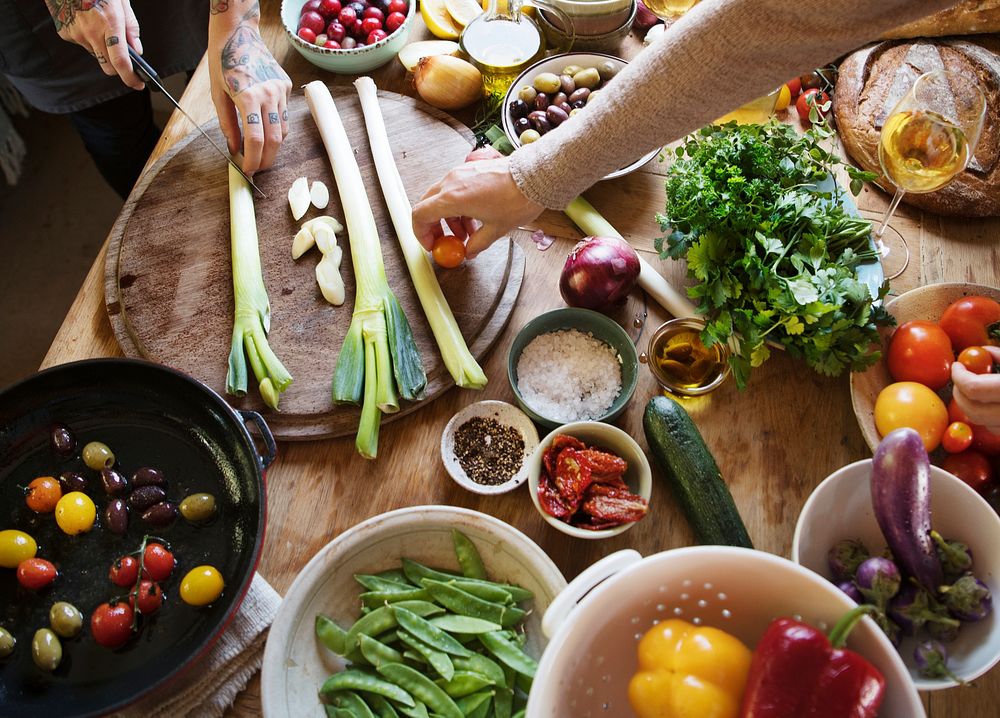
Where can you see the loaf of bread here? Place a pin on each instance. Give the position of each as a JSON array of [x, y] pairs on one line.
[[971, 17], [873, 79]]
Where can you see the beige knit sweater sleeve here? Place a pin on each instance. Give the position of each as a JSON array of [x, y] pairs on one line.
[[719, 56]]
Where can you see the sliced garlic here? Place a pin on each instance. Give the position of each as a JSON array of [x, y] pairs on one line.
[[326, 239], [319, 195], [298, 197], [303, 242], [331, 284], [328, 221]]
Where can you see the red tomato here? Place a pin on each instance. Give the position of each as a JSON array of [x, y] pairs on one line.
[[972, 321], [920, 351], [157, 562], [449, 251], [111, 624], [907, 403], [124, 571], [794, 86], [150, 597], [43, 494], [977, 360], [36, 573], [957, 437], [809, 98], [985, 440], [971, 467], [955, 412]]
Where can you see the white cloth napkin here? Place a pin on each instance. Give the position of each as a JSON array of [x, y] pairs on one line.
[[208, 689]]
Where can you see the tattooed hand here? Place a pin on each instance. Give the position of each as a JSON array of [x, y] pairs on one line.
[[102, 28], [248, 85]]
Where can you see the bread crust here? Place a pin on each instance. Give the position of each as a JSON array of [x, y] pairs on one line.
[[967, 18]]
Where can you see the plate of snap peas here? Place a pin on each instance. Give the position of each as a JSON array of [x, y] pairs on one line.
[[423, 611]]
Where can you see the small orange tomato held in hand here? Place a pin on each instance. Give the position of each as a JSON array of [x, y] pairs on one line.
[[977, 360], [449, 251]]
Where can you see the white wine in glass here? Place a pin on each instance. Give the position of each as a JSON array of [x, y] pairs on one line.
[[927, 139], [669, 9]]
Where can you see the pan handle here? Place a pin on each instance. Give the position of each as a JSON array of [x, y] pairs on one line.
[[257, 420]]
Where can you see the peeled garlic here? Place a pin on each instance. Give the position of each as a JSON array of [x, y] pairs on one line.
[[655, 33], [298, 197], [447, 82], [331, 284], [319, 195], [328, 221], [303, 242]]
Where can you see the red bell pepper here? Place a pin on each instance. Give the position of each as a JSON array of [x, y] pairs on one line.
[[797, 672]]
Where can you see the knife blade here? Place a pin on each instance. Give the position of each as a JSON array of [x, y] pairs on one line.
[[147, 73]]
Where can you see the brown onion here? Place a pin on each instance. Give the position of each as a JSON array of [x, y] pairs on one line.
[[599, 273], [447, 82]]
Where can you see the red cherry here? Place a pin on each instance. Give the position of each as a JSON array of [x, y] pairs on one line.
[[358, 29], [370, 25], [310, 6], [373, 12], [347, 17], [314, 21], [394, 21], [307, 34], [376, 35], [332, 45], [335, 32], [329, 8], [399, 6]]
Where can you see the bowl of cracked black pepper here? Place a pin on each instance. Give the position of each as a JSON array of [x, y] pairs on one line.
[[485, 447]]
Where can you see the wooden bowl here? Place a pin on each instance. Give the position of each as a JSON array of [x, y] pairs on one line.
[[926, 303]]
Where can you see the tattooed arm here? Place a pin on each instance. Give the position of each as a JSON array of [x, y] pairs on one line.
[[101, 27], [249, 88]]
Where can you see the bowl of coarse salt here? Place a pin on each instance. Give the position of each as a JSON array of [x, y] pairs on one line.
[[572, 365]]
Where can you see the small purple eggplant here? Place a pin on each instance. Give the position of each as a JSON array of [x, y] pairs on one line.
[[845, 556], [852, 591], [878, 579], [944, 632], [956, 557], [968, 599], [889, 628], [901, 498], [913, 608], [931, 658]]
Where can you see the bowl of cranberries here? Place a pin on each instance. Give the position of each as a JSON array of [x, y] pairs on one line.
[[348, 37]]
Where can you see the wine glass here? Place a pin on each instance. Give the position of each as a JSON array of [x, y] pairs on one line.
[[928, 138], [669, 9]]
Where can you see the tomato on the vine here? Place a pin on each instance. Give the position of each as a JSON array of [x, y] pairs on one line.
[[907, 403], [957, 437], [124, 571], [971, 467], [972, 321], [157, 562], [448, 251], [111, 624], [43, 494], [36, 573], [148, 598], [807, 100], [920, 351], [977, 360]]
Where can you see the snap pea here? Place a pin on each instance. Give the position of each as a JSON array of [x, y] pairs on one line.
[[383, 585], [417, 711], [464, 683], [354, 704], [380, 598], [377, 652], [415, 657], [337, 712], [467, 704], [429, 634], [485, 591], [380, 706], [519, 714], [524, 682], [352, 680], [422, 688], [421, 608], [503, 703], [415, 572], [383, 619], [393, 574], [509, 654], [486, 667], [438, 660], [331, 635], [468, 556], [481, 711], [464, 603], [454, 623]]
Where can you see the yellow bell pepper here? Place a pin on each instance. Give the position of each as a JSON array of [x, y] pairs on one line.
[[688, 671]]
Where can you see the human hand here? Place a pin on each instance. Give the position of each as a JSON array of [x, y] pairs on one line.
[[479, 200], [978, 395], [248, 85], [102, 28]]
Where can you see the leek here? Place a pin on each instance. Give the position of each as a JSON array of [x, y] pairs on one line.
[[379, 343], [464, 368], [252, 319]]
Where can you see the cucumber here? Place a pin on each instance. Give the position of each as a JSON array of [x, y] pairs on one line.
[[693, 475]]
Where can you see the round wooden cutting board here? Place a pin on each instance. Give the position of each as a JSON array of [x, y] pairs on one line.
[[168, 277]]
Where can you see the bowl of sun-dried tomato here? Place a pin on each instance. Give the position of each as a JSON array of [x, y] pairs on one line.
[[590, 480]]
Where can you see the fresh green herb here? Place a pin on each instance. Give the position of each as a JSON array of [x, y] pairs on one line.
[[756, 213]]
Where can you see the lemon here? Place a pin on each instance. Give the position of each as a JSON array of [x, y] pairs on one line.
[[463, 11], [438, 21]]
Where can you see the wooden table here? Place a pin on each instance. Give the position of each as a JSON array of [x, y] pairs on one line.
[[773, 442]]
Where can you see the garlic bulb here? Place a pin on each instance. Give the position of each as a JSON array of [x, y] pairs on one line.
[[447, 82]]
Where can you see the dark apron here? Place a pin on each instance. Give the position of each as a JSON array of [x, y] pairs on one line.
[[59, 76]]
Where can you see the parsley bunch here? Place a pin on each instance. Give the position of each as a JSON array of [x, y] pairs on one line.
[[755, 211]]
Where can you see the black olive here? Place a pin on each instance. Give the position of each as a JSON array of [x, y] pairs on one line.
[[148, 476], [114, 483], [72, 481], [160, 514], [518, 109], [145, 496], [116, 516], [62, 439]]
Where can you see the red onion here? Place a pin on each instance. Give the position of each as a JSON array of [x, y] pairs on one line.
[[644, 18], [599, 273]]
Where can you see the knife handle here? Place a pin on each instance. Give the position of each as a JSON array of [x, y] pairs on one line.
[[143, 69]]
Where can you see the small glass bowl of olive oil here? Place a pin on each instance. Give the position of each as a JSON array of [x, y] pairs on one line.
[[681, 363]]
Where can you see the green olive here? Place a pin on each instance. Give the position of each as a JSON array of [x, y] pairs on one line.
[[7, 642], [198, 507], [589, 78], [46, 651], [529, 136], [98, 456], [574, 112], [527, 94], [571, 70], [607, 70], [547, 82], [592, 95], [65, 619]]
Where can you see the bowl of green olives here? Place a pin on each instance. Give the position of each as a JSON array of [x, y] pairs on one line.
[[551, 92]]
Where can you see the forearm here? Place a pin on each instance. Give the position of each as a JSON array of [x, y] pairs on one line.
[[721, 55]]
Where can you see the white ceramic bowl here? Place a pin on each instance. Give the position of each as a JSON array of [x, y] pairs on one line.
[[504, 413], [841, 507], [295, 664], [345, 62], [594, 631], [603, 436], [555, 64]]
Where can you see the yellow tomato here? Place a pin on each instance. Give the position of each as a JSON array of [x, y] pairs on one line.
[[907, 403], [784, 99], [75, 513], [16, 546], [201, 586]]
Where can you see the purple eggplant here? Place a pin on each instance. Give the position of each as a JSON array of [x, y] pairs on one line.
[[901, 498], [913, 608], [956, 557], [943, 631], [968, 599], [844, 558], [931, 658], [851, 590], [878, 579]]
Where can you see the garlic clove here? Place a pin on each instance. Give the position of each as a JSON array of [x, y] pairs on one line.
[[298, 197], [303, 242], [319, 195], [328, 221]]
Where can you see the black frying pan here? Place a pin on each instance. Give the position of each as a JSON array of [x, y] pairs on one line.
[[150, 416]]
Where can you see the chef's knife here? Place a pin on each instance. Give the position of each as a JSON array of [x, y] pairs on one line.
[[148, 74]]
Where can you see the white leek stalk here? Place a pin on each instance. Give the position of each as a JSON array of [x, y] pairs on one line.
[[464, 368], [252, 318], [379, 343]]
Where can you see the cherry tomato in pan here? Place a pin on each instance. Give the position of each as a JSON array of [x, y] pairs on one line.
[[971, 467], [449, 251], [111, 624], [157, 562], [15, 547], [957, 437], [36, 573], [147, 599], [124, 571], [920, 351], [75, 513], [972, 321], [975, 359], [201, 586], [43, 494], [807, 100]]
